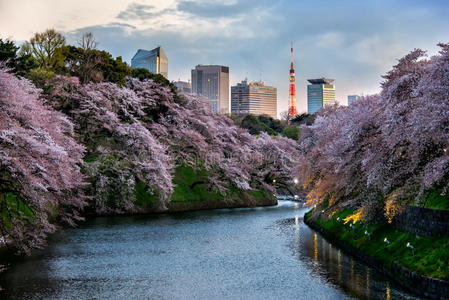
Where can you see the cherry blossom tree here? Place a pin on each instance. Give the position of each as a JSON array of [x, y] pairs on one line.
[[40, 179], [142, 131], [386, 150], [120, 150]]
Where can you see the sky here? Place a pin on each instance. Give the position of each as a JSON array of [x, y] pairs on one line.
[[353, 42]]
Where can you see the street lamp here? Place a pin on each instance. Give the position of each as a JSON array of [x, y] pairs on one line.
[[368, 234], [411, 247], [296, 180]]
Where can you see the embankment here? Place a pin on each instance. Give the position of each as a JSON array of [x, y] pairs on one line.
[[411, 280]]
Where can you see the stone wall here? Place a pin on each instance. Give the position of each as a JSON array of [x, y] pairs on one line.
[[424, 286], [413, 282], [423, 221]]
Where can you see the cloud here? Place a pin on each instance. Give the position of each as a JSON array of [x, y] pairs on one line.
[[330, 40], [354, 42], [137, 11], [215, 9]]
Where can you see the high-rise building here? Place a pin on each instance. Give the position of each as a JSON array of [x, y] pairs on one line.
[[212, 82], [154, 61], [183, 86], [352, 98], [320, 93], [254, 98]]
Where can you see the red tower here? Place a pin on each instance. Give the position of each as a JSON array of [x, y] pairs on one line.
[[292, 98]]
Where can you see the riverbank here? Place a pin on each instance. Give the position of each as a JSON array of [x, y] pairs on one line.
[[192, 192], [418, 264]]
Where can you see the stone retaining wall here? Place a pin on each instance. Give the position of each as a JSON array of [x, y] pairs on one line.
[[413, 282], [423, 221], [424, 286]]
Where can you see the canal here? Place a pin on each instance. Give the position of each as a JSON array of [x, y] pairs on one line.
[[250, 253]]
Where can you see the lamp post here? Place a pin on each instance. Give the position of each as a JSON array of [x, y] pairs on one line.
[[411, 247], [368, 234]]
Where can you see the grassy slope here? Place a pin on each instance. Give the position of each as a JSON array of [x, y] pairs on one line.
[[190, 187], [17, 209], [430, 256], [435, 200]]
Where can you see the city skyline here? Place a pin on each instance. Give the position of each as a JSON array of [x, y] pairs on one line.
[[359, 41]]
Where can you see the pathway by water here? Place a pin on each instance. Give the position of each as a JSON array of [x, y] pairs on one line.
[[253, 253]]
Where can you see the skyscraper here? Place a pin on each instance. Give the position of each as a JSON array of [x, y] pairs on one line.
[[320, 93], [352, 98], [254, 98], [154, 61], [212, 82]]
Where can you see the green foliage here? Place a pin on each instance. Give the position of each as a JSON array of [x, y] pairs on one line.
[[254, 126], [434, 199], [24, 64], [276, 125], [114, 70], [430, 256], [237, 119], [40, 77], [72, 60], [258, 124], [8, 52], [144, 197], [43, 47], [304, 118], [12, 208], [21, 63], [191, 185], [293, 132]]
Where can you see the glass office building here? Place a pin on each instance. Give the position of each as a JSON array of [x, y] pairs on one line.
[[320, 93], [352, 98], [254, 98], [212, 82], [154, 61]]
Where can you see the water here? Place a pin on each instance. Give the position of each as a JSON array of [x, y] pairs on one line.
[[254, 253]]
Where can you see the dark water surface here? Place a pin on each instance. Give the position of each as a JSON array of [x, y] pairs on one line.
[[253, 253]]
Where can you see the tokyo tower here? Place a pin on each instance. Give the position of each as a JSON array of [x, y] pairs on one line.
[[292, 98]]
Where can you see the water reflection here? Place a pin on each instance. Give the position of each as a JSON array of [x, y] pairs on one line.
[[388, 291], [221, 254], [346, 273]]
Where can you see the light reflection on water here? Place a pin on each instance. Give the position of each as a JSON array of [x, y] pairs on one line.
[[255, 253], [346, 273]]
